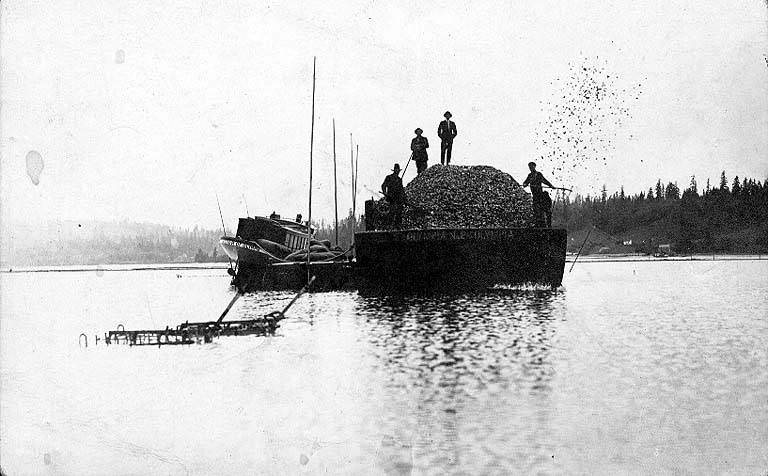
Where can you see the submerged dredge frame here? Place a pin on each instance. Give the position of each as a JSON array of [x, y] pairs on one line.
[[199, 332], [191, 332]]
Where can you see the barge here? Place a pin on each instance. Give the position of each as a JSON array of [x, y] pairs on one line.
[[406, 261], [461, 259]]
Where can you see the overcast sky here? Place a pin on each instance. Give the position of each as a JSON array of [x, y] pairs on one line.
[[146, 110]]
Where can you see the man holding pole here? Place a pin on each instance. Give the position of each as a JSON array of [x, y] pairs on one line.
[[419, 146], [393, 191], [446, 131], [542, 204]]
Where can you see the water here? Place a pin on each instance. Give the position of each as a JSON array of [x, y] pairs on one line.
[[633, 368]]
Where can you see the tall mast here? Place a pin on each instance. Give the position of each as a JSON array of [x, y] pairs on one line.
[[357, 156], [311, 148], [352, 169], [335, 193]]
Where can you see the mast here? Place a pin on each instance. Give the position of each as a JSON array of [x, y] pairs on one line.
[[352, 169], [335, 193], [311, 148], [357, 156]]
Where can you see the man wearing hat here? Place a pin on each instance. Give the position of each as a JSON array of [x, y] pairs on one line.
[[542, 203], [393, 191], [419, 146], [446, 131]]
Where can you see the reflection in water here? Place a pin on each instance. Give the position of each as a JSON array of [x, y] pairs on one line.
[[439, 357], [461, 345]]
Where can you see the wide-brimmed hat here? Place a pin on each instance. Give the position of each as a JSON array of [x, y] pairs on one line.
[[447, 114], [396, 168], [418, 130]]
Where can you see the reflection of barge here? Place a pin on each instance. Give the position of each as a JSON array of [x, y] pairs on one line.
[[399, 261]]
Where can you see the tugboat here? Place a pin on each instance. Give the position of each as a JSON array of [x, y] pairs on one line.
[[260, 241], [271, 254]]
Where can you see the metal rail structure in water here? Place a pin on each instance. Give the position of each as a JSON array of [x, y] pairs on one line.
[[197, 332]]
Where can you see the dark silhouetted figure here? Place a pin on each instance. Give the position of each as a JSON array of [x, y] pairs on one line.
[[446, 131], [419, 146], [542, 204], [393, 191]]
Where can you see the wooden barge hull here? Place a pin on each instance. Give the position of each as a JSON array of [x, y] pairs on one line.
[[418, 261], [458, 259]]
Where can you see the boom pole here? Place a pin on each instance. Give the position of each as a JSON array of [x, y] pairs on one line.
[[224, 230], [581, 248], [311, 148], [352, 170], [335, 189]]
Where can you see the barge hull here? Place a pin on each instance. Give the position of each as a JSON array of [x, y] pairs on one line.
[[458, 259]]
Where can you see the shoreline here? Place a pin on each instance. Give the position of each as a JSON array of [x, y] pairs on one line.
[[75, 268], [622, 258]]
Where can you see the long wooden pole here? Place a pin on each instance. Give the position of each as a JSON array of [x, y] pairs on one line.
[[581, 248], [229, 306], [352, 170], [357, 156], [311, 149], [223, 229], [335, 187]]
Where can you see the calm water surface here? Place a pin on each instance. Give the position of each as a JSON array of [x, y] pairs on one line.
[[632, 368]]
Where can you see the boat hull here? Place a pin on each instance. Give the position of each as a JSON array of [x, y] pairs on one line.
[[245, 253], [292, 276]]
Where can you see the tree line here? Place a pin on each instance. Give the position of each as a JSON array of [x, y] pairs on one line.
[[145, 244], [348, 226], [729, 218]]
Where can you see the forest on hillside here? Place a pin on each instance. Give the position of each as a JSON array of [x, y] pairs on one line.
[[729, 218], [111, 243]]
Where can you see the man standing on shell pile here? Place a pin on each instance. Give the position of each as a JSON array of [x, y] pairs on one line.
[[446, 131], [393, 191], [542, 204], [419, 146]]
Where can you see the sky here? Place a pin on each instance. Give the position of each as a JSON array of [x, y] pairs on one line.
[[147, 111]]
